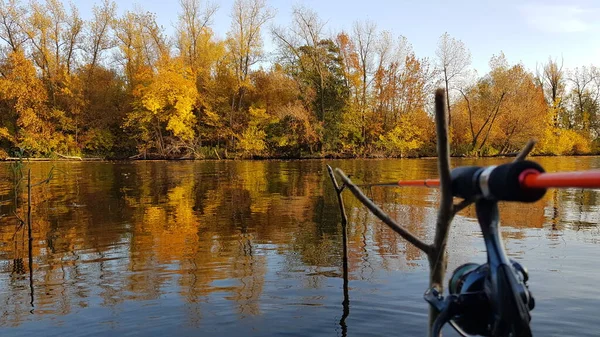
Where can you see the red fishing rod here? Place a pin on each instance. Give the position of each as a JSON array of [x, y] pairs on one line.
[[582, 179], [524, 177], [534, 179]]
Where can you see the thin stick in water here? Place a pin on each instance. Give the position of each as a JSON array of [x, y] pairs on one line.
[[346, 301], [30, 236]]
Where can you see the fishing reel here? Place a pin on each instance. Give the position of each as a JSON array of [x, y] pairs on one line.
[[468, 308], [470, 278], [491, 299]]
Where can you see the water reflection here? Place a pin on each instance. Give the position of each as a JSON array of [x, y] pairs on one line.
[[228, 246]]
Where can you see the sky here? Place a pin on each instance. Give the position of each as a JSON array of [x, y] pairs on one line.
[[527, 31]]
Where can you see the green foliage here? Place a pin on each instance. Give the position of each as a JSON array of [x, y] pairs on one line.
[[351, 136], [98, 141]]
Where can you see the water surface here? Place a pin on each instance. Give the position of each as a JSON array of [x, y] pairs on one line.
[[254, 248]]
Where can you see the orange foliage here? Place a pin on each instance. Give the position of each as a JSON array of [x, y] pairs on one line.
[[117, 84]]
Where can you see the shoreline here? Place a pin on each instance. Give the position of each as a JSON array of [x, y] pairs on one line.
[[117, 159]]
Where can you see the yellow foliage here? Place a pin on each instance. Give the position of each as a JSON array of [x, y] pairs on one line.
[[563, 142], [409, 135], [171, 97], [330, 96], [4, 134], [258, 116], [350, 130], [252, 141], [399, 141], [168, 102], [26, 96]]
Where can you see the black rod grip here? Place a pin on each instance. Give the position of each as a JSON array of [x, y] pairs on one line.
[[504, 183], [465, 181]]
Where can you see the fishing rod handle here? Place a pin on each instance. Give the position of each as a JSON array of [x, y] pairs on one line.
[[499, 183]]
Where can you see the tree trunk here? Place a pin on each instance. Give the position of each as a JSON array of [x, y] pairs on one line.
[[448, 100]]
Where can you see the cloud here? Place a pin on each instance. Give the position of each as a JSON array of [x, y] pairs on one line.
[[558, 18]]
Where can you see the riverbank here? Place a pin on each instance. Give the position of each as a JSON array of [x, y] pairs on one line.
[[259, 158]]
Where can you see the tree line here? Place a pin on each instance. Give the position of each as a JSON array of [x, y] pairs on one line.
[[117, 85]]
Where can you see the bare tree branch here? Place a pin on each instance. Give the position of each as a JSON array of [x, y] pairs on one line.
[[438, 260], [445, 210], [462, 205], [453, 58], [436, 253], [403, 232], [525, 151]]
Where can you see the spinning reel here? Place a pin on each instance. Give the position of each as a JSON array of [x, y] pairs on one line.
[[491, 299]]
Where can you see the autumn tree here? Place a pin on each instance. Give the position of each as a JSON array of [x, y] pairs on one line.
[[353, 127], [501, 111], [212, 71], [315, 62], [392, 57], [245, 41], [100, 88], [365, 38], [291, 129], [331, 96], [585, 91], [98, 38], [524, 112], [53, 39], [193, 30], [54, 34], [307, 31], [552, 78], [11, 24], [401, 86], [163, 117], [27, 122], [196, 43], [141, 44], [406, 89], [453, 59], [116, 84]]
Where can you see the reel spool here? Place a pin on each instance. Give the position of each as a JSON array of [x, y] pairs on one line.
[[469, 280]]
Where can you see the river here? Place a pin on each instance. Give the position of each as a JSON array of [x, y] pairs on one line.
[[254, 248]]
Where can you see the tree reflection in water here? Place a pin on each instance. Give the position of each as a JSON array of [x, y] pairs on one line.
[[237, 241]]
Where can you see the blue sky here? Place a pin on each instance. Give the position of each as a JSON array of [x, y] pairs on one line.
[[527, 31]]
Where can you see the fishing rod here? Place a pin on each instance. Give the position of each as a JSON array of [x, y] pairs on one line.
[[533, 179], [493, 299]]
